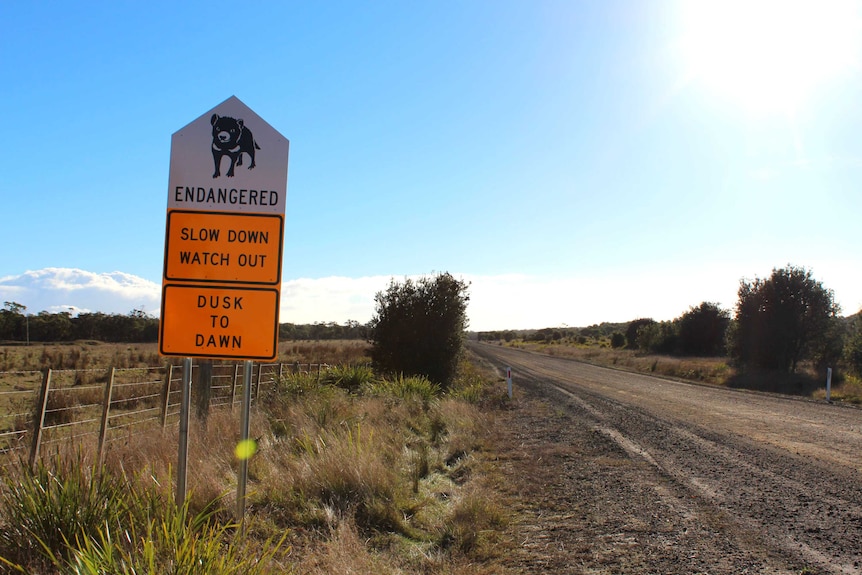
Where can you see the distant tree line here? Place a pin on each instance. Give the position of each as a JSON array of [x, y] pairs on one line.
[[323, 331], [553, 334], [16, 325], [135, 327], [777, 323]]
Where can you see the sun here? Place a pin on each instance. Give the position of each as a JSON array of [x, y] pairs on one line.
[[769, 55]]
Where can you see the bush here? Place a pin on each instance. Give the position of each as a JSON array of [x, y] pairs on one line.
[[618, 340], [418, 328]]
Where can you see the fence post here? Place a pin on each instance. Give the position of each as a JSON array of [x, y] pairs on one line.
[[106, 408], [166, 394], [39, 419], [259, 377], [233, 385]]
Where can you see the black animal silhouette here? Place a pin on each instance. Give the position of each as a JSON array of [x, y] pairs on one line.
[[231, 138]]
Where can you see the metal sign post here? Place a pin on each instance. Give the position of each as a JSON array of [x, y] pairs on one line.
[[243, 438], [183, 456]]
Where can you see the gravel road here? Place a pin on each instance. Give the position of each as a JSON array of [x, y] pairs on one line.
[[615, 472]]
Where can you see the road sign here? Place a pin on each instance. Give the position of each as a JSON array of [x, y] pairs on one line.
[[225, 322], [223, 247], [224, 234]]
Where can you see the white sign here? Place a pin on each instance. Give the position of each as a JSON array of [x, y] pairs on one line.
[[228, 160]]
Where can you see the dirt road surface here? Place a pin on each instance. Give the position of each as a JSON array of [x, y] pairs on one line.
[[614, 472]]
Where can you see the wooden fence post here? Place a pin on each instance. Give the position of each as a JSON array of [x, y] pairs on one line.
[[259, 377], [106, 408], [166, 394], [39, 418], [203, 390], [233, 385]]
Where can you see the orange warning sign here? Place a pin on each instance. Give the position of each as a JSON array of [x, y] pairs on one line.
[[219, 322], [223, 247]]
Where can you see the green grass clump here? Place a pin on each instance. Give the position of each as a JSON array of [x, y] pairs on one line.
[[415, 387], [68, 517], [49, 505], [349, 377], [177, 543]]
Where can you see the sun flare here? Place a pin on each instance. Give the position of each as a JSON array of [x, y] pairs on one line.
[[769, 55]]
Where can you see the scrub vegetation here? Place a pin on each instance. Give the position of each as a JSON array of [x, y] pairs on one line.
[[353, 473]]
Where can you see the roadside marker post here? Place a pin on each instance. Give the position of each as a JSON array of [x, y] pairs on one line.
[[829, 385], [509, 381], [221, 282]]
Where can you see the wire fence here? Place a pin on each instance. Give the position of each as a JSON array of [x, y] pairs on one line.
[[39, 409]]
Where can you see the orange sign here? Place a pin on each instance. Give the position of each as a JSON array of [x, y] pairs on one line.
[[223, 247], [219, 322]]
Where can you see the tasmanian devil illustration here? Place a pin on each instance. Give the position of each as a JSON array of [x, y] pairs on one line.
[[231, 138]]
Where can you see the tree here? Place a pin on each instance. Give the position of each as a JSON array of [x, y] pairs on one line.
[[659, 337], [418, 327], [702, 330], [632, 331], [780, 320], [853, 348]]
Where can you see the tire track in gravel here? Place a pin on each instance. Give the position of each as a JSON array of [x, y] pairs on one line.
[[766, 500]]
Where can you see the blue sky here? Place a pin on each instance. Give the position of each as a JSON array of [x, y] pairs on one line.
[[576, 161]]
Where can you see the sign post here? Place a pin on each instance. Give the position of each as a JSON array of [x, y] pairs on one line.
[[509, 381], [221, 285]]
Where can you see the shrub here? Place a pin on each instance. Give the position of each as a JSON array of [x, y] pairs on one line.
[[418, 327]]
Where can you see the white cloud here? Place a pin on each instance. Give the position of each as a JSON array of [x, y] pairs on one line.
[[67, 289]]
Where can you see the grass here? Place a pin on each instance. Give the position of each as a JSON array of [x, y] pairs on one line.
[[352, 474]]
